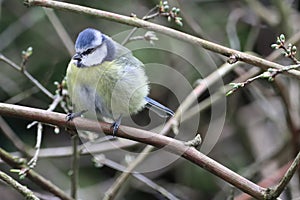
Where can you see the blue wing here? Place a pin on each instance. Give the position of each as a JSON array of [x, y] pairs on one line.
[[160, 109]]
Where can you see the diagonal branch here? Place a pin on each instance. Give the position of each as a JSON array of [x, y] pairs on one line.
[[27, 193], [134, 21], [33, 176], [27, 74], [169, 144]]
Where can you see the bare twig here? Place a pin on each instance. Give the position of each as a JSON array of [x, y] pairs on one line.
[[27, 75], [277, 190], [31, 164], [104, 161], [115, 187], [27, 193], [22, 95], [74, 166], [159, 141], [266, 14], [204, 84], [61, 31], [134, 21], [22, 24], [13, 137]]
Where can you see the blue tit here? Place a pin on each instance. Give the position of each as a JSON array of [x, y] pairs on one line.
[[106, 80]]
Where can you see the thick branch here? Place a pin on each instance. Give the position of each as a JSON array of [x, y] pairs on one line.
[[147, 137], [134, 21]]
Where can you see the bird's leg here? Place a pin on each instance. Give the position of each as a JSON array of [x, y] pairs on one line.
[[71, 116], [116, 125]]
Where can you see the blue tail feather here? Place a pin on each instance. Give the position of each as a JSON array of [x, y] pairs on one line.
[[158, 108]]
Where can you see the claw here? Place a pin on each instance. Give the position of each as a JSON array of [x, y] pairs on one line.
[[115, 126], [71, 116]]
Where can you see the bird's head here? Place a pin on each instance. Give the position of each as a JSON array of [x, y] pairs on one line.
[[92, 48]]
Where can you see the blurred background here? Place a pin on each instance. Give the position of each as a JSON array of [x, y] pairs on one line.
[[256, 128]]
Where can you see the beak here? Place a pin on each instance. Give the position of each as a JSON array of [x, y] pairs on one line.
[[77, 56]]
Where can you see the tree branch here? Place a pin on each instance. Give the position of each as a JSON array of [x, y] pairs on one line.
[[169, 144], [134, 21], [277, 190]]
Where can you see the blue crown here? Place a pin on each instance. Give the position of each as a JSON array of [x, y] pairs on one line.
[[85, 38]]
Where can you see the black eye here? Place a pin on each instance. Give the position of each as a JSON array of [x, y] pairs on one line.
[[88, 51]]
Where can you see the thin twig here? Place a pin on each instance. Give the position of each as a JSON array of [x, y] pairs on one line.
[[116, 186], [22, 95], [266, 14], [27, 193], [114, 165], [74, 166], [13, 137], [19, 26], [169, 144], [60, 30], [27, 75], [270, 74], [146, 17], [202, 87], [134, 21], [39, 135]]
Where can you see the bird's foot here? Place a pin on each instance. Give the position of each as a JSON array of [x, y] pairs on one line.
[[71, 116], [115, 126]]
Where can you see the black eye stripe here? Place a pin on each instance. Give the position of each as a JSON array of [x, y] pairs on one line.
[[88, 51]]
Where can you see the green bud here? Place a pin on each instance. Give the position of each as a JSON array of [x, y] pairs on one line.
[[177, 11], [178, 21], [274, 46], [229, 92], [27, 52], [174, 9], [282, 37], [294, 49], [266, 74], [169, 18], [278, 42], [56, 130], [29, 49], [165, 3], [166, 8]]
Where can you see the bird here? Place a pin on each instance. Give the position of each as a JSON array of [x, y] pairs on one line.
[[105, 80]]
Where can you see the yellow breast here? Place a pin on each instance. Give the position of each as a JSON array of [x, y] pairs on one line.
[[109, 88]]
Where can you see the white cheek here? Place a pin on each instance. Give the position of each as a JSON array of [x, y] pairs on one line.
[[96, 57]]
